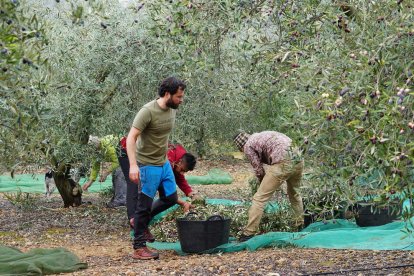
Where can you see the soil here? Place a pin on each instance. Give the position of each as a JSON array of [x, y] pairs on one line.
[[100, 237]]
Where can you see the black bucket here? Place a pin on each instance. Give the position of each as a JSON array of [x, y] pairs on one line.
[[200, 235], [368, 215]]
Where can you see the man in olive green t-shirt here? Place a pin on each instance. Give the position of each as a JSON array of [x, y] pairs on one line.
[[147, 145]]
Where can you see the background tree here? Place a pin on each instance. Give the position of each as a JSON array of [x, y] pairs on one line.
[[324, 72]]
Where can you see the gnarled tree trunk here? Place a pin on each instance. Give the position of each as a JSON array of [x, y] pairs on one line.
[[70, 191]]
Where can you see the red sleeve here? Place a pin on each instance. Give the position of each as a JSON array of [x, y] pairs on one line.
[[182, 183]]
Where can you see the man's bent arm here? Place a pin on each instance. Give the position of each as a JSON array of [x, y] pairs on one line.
[[131, 151]]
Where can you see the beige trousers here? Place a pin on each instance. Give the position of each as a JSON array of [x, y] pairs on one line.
[[275, 176]]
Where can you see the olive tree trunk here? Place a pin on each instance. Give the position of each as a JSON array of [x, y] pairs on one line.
[[69, 190]]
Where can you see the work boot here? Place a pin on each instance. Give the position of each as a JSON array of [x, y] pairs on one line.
[[148, 236], [143, 253], [244, 237]]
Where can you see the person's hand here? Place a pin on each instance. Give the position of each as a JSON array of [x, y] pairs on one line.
[[134, 174], [86, 185], [187, 206]]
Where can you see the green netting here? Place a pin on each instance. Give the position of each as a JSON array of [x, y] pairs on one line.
[[34, 183], [38, 261], [222, 201], [271, 207], [373, 178], [214, 176], [29, 183], [334, 234]]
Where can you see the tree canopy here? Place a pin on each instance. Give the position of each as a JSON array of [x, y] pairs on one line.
[[336, 76]]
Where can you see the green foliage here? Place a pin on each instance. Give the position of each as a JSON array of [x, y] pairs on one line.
[[281, 220], [22, 200], [21, 41], [254, 184], [107, 193], [360, 115], [325, 204], [335, 76]]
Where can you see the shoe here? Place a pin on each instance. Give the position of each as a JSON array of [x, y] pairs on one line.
[[148, 236], [114, 205], [143, 253], [244, 237]]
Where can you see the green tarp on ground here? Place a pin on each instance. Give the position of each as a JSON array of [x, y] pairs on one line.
[[29, 183], [38, 261], [334, 234], [214, 176], [35, 183]]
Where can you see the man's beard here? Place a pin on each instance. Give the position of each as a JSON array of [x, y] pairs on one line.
[[171, 104]]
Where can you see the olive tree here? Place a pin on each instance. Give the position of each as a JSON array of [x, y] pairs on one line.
[[347, 67]]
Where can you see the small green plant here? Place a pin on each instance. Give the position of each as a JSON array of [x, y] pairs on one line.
[[106, 193], [22, 200], [254, 185], [281, 221]]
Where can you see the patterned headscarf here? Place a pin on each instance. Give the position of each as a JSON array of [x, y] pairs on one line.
[[241, 139]]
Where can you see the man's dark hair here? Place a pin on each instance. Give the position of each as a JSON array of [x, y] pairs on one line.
[[189, 160], [171, 85]]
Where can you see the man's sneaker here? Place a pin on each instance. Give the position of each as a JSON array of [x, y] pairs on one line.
[[143, 253], [148, 236], [244, 237]]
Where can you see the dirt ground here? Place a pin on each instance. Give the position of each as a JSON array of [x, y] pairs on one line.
[[100, 237]]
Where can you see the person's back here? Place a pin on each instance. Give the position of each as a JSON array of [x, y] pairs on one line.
[[107, 151], [274, 149], [266, 147], [181, 161]]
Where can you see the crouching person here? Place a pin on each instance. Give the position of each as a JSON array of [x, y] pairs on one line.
[[105, 146], [274, 149]]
